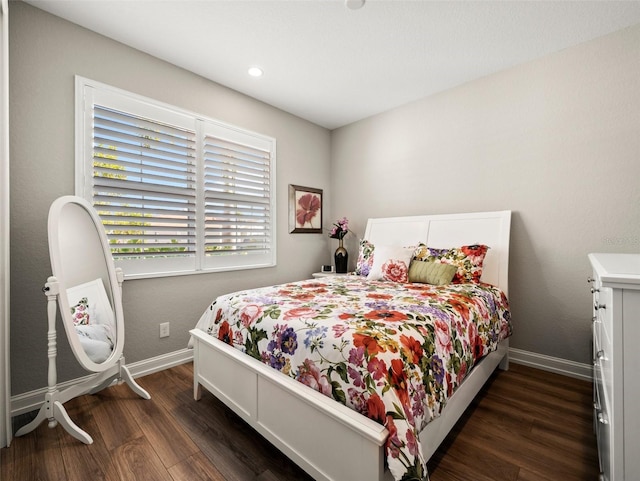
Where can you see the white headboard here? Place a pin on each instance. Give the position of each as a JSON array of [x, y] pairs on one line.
[[452, 230]]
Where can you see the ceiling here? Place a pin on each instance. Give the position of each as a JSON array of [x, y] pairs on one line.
[[333, 65]]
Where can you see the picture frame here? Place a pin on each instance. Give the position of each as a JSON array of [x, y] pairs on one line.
[[305, 210]]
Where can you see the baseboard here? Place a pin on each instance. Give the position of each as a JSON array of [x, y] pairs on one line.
[[32, 400], [160, 363], [551, 364]]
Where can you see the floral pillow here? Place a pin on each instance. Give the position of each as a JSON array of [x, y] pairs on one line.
[[391, 263], [365, 258], [468, 260], [80, 312]]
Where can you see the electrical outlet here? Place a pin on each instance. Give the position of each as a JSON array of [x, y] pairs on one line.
[[164, 329]]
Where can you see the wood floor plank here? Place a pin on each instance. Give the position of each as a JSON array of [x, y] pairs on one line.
[[250, 448], [85, 461], [195, 468], [514, 432], [35, 457], [80, 460], [137, 461], [164, 433], [117, 425], [525, 425], [462, 460], [569, 442], [213, 443], [167, 387]]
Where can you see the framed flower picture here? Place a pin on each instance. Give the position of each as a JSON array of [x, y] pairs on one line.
[[305, 210]]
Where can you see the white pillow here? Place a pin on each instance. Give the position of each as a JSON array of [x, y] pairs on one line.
[[99, 307], [391, 263]]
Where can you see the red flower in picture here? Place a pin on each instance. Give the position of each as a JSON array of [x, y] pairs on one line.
[[308, 207]]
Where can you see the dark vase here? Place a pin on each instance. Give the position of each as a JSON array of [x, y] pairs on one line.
[[341, 257]]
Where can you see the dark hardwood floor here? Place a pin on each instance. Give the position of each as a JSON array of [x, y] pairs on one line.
[[525, 425]]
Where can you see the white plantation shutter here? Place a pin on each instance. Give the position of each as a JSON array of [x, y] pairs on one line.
[[176, 193], [237, 198], [144, 185]]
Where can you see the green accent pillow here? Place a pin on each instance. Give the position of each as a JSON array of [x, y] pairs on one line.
[[428, 272]]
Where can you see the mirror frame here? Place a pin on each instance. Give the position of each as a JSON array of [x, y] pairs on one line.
[[114, 290]]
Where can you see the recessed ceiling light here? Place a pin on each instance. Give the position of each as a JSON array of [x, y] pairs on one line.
[[255, 71], [354, 4]]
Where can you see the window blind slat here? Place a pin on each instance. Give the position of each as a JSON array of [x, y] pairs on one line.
[[148, 239], [132, 140], [130, 204], [133, 121], [248, 222], [139, 150], [148, 223], [235, 198], [139, 189], [237, 193], [213, 175], [232, 249], [214, 142], [148, 176], [130, 212], [112, 155], [237, 182], [240, 162]]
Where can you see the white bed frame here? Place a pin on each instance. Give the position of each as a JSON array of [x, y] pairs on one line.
[[325, 438]]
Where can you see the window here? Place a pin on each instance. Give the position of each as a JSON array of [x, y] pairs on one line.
[[177, 193]]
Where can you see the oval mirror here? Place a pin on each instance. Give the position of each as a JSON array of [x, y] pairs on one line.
[[90, 295]]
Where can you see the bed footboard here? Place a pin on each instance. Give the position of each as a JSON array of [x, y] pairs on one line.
[[326, 439]]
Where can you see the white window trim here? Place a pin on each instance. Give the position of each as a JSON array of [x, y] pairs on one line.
[[171, 267]]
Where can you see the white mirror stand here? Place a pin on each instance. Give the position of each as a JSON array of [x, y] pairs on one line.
[[53, 408], [80, 252]]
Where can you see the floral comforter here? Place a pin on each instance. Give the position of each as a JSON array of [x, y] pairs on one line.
[[393, 352]]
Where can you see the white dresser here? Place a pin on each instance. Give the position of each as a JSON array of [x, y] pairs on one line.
[[616, 361]]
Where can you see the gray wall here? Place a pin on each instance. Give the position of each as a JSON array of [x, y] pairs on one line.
[[555, 140], [45, 54]]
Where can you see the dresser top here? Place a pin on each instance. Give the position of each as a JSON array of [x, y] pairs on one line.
[[617, 268]]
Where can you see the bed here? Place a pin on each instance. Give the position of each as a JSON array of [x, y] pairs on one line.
[[300, 404]]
